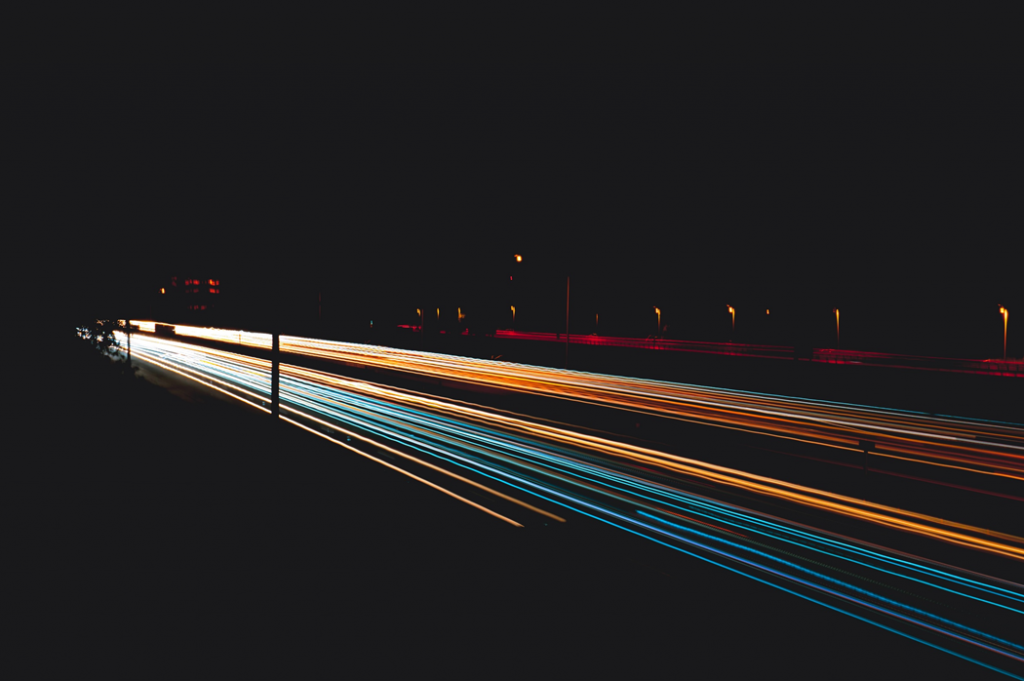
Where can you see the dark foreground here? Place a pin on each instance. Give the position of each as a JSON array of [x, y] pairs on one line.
[[166, 532]]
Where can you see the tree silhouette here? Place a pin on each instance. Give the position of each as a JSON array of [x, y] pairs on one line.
[[100, 335]]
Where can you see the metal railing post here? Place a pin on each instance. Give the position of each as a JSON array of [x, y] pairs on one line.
[[275, 376]]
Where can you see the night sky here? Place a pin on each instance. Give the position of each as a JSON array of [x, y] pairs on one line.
[[893, 191], [753, 166]]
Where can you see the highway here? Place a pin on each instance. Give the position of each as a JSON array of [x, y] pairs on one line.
[[987, 457], [932, 578]]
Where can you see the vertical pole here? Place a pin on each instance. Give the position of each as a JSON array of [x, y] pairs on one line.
[[567, 321], [1006, 316], [128, 333], [275, 376]]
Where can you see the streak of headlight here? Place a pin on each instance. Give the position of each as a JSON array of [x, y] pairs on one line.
[[718, 407], [848, 545], [427, 464], [402, 471], [247, 338], [216, 380], [209, 385], [844, 584], [762, 484], [605, 513]]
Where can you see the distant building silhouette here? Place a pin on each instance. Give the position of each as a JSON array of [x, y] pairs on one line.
[[190, 296]]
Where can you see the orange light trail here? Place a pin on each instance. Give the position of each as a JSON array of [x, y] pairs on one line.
[[652, 493], [982, 448]]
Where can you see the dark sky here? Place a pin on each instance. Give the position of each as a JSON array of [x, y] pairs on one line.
[[850, 184]]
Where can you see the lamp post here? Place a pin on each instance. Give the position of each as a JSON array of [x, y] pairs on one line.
[[657, 311], [732, 311], [836, 310], [566, 321], [1006, 315], [518, 258]]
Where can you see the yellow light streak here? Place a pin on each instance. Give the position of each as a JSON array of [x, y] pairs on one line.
[[403, 472]]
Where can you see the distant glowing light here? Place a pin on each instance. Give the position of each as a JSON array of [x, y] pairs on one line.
[[162, 290], [519, 258]]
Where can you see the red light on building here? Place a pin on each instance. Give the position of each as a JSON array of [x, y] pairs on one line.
[[199, 293]]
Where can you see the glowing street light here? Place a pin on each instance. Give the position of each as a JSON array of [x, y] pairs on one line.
[[732, 311], [836, 310], [657, 310], [518, 258], [1006, 315]]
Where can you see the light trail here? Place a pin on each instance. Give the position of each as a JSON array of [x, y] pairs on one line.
[[987, 447], [773, 531], [982, 448]]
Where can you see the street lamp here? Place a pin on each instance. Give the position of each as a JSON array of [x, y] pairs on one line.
[[1006, 315], [567, 321], [518, 259], [836, 310], [657, 310], [732, 311]]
